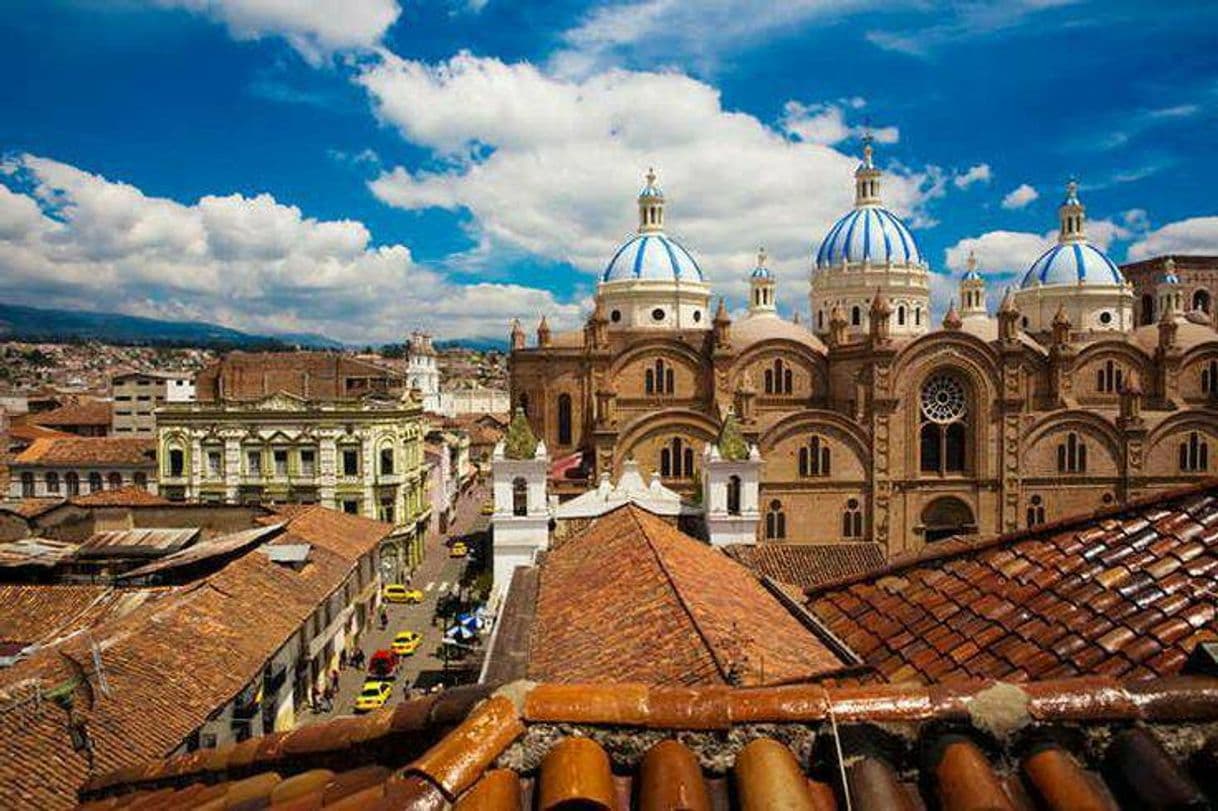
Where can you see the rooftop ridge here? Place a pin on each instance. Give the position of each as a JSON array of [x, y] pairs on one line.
[[960, 547]]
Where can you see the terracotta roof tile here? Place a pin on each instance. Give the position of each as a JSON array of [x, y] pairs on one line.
[[1071, 598], [808, 564], [682, 612], [88, 451], [130, 496], [83, 412], [612, 746]]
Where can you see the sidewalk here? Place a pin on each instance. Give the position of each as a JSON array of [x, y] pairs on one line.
[[436, 575]]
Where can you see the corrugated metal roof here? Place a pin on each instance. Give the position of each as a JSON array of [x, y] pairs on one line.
[[35, 552], [120, 541], [222, 545], [288, 552]]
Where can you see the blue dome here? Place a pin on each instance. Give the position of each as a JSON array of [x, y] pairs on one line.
[[760, 272], [869, 233], [652, 256], [1073, 263], [971, 276]]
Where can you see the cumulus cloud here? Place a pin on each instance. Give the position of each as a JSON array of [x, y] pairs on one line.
[[975, 174], [1020, 196], [315, 28], [71, 238], [552, 165], [826, 124], [1194, 235]]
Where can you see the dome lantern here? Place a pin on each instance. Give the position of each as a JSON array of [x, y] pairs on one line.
[[1072, 216], [651, 206], [761, 287]]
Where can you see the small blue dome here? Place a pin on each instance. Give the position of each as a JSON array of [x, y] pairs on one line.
[[869, 233], [1073, 263], [971, 276], [652, 256], [761, 272]]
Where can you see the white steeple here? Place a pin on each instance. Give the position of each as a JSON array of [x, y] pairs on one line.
[[866, 178], [651, 206], [761, 287], [972, 290], [1072, 215]]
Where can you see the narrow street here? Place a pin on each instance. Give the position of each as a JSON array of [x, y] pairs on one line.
[[438, 575]]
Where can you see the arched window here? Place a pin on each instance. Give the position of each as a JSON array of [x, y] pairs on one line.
[[114, 481], [1108, 378], [733, 495], [814, 458], [852, 520], [1201, 301], [769, 381], [177, 462], [1194, 454], [943, 433], [52, 482], [386, 461], [677, 459], [856, 316], [27, 485], [520, 496], [72, 484], [649, 381], [140, 480], [1072, 455], [917, 316], [1148, 309], [95, 482], [1036, 511], [564, 419], [901, 315], [820, 319], [775, 522], [1209, 378]]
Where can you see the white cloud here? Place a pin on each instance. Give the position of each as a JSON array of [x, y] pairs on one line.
[[976, 174], [826, 124], [1020, 196], [551, 166], [315, 28], [1194, 235], [962, 21], [74, 239], [699, 32]]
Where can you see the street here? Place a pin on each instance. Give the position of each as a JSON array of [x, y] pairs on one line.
[[438, 575]]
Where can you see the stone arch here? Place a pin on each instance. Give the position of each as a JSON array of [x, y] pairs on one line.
[[946, 516], [1197, 379], [804, 357], [1041, 439], [641, 439], [1093, 359], [1163, 443], [686, 367], [844, 434]]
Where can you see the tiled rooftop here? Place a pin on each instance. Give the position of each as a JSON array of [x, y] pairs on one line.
[[169, 664], [1065, 745], [130, 496], [82, 412], [84, 451], [808, 564], [631, 599], [1127, 594]]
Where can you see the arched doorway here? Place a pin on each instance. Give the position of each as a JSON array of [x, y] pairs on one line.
[[945, 517]]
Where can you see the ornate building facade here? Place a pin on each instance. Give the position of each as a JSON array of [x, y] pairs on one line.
[[870, 424], [302, 427]]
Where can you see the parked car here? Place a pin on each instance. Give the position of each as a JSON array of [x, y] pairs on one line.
[[458, 550], [406, 643], [373, 696], [383, 665], [397, 593]]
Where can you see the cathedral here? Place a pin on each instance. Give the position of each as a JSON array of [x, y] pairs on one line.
[[871, 422]]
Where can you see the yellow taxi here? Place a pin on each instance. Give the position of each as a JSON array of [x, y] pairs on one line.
[[373, 696], [488, 508], [406, 643], [458, 550], [397, 593]]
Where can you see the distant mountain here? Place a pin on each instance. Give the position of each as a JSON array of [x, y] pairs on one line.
[[476, 344], [38, 324]]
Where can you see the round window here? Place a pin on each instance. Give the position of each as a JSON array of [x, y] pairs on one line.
[[657, 314], [943, 399], [1105, 317], [615, 316], [697, 316], [853, 504]]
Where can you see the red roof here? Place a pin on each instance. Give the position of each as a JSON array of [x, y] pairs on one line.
[[1127, 594], [130, 496], [82, 412], [88, 451], [631, 599], [808, 564]]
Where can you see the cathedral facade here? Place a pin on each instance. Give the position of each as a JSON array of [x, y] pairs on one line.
[[873, 423]]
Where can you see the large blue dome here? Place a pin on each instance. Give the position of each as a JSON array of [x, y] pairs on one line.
[[652, 256], [1073, 263], [869, 233]]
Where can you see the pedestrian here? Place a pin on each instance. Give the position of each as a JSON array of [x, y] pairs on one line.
[[315, 698], [342, 659], [384, 619], [334, 682]]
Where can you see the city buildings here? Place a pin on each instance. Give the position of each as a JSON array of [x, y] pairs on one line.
[[871, 423], [307, 428], [137, 395], [68, 466], [462, 394]]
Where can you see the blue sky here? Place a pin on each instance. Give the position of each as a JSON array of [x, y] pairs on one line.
[[364, 167]]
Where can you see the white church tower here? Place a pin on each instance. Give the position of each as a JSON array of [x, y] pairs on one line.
[[731, 479], [520, 525], [422, 371]]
